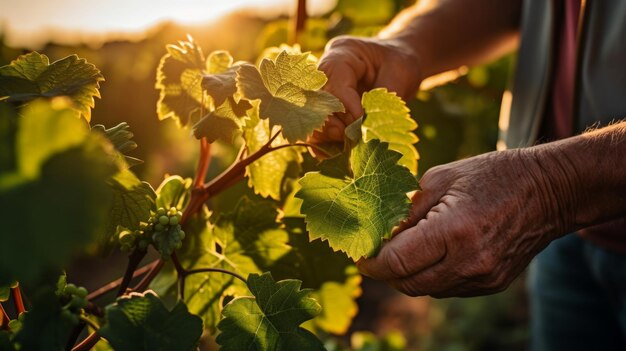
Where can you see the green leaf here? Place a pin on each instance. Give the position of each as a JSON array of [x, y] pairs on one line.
[[367, 12], [388, 120], [355, 210], [224, 122], [174, 191], [141, 322], [60, 204], [267, 175], [179, 81], [132, 202], [271, 319], [43, 326], [332, 275], [121, 138], [32, 76], [219, 81], [288, 88]]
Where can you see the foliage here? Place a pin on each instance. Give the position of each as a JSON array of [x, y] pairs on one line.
[[79, 178]]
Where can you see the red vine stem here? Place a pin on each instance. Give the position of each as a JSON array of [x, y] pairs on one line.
[[16, 293], [4, 318], [133, 261], [88, 342], [203, 163], [154, 270], [116, 283]]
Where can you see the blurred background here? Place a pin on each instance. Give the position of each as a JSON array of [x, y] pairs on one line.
[[126, 38]]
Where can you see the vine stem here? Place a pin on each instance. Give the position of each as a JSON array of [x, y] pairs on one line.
[[133, 261], [89, 342], [4, 318], [217, 270], [16, 293], [203, 162], [116, 283]]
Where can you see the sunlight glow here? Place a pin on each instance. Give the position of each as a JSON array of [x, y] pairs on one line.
[[26, 18]]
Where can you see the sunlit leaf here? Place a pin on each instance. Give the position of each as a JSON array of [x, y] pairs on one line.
[[288, 88], [387, 119], [270, 320], [179, 81], [224, 122], [121, 138], [174, 191], [141, 322], [356, 209], [268, 174], [32, 76]]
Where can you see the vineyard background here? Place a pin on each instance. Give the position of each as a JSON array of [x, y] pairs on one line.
[[456, 120]]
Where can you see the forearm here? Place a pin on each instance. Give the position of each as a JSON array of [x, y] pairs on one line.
[[450, 33], [583, 179]]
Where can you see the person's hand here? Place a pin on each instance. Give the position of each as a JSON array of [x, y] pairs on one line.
[[475, 226], [355, 65]]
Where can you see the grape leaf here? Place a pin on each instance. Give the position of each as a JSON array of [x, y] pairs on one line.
[[64, 183], [271, 319], [388, 120], [121, 138], [332, 275], [132, 202], [219, 80], [288, 88], [141, 322], [174, 191], [32, 76], [268, 174], [356, 209], [179, 81], [224, 122]]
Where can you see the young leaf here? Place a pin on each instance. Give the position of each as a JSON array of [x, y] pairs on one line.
[[141, 322], [388, 120], [32, 76], [174, 191], [268, 174], [179, 81], [121, 138], [269, 321], [288, 88], [132, 202], [224, 122], [356, 210]]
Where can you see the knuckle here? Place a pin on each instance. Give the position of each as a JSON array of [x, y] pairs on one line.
[[396, 263], [407, 287], [484, 265]]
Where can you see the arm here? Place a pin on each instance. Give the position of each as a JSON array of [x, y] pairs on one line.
[[424, 40], [478, 222]]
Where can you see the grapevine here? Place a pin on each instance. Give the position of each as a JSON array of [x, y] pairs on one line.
[[213, 267]]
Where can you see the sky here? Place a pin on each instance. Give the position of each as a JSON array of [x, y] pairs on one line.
[[24, 21]]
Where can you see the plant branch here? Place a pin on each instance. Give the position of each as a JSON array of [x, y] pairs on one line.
[[133, 261], [203, 163], [4, 318], [16, 293], [90, 323], [76, 331], [218, 270], [116, 283], [89, 342], [154, 270]]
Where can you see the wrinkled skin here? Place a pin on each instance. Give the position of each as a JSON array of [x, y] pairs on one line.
[[355, 65], [471, 232]]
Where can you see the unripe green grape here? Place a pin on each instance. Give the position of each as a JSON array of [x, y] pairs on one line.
[[165, 220], [69, 316], [78, 302], [159, 227], [179, 245], [173, 220], [161, 211], [14, 284], [172, 211], [154, 219], [70, 289], [81, 292], [182, 234]]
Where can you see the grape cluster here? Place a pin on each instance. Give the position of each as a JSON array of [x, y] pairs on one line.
[[131, 239], [74, 299], [167, 235]]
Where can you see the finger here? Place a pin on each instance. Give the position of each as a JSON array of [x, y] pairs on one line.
[[408, 253], [332, 131], [344, 71]]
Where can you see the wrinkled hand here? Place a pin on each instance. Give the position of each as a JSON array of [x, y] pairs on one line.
[[355, 65], [475, 226]]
